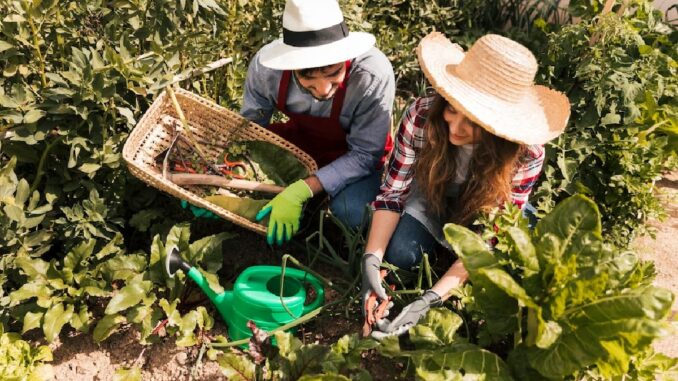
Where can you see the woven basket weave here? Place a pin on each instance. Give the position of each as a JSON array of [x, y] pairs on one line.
[[208, 122]]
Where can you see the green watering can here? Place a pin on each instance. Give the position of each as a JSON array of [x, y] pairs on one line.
[[255, 295]]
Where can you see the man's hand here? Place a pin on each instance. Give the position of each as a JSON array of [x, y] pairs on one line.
[[408, 317], [285, 210], [371, 279], [199, 212]]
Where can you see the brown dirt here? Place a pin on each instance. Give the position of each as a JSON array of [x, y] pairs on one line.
[[664, 252], [77, 357]]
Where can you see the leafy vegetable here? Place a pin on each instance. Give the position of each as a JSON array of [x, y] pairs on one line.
[[20, 361]]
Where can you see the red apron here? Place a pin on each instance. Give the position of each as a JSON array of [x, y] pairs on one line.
[[322, 138]]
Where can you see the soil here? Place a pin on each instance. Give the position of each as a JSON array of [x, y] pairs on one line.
[[77, 357]]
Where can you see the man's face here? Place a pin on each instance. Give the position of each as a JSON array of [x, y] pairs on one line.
[[322, 83]]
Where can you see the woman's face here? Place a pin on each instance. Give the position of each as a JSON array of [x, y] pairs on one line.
[[462, 130]]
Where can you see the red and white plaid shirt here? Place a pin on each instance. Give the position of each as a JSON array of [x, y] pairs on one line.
[[410, 139]]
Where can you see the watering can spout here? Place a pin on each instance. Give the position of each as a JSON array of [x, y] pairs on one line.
[[174, 262]]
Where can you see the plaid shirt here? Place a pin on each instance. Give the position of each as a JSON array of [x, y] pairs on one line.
[[410, 139]]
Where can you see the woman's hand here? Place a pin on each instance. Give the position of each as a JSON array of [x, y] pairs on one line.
[[371, 279], [408, 317]]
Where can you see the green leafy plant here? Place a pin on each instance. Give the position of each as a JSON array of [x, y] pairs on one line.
[[150, 300], [555, 303], [620, 74], [292, 360], [19, 361]]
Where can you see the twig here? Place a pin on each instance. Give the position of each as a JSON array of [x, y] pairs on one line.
[[200, 179], [187, 129]]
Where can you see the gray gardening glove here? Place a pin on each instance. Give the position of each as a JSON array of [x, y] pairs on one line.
[[371, 279], [408, 317]]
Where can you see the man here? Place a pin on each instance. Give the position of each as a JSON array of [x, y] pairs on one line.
[[337, 91]]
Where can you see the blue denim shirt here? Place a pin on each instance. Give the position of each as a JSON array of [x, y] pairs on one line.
[[366, 113]]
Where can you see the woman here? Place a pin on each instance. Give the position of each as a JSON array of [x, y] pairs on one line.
[[473, 145]]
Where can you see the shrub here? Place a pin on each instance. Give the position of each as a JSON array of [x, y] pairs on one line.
[[621, 76]]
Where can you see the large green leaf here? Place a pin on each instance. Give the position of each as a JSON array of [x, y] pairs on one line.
[[207, 251], [524, 252], [462, 360], [243, 206], [501, 311], [32, 320], [237, 367], [607, 331], [128, 296], [279, 164], [55, 318], [106, 326], [298, 359], [438, 328], [570, 223]]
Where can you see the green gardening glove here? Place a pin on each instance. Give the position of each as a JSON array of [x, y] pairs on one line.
[[285, 210], [199, 212]]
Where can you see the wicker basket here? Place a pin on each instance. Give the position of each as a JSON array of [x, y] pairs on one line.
[[208, 122]]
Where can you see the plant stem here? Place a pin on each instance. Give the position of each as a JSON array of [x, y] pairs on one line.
[[36, 46], [41, 165], [187, 129]]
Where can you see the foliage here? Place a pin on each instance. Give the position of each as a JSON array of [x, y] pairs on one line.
[[400, 25], [621, 76], [292, 360], [19, 361], [150, 300], [560, 297], [76, 76]]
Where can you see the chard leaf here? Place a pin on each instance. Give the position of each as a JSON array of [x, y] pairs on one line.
[[438, 328], [32, 320], [462, 361], [128, 296], [283, 170], [55, 318], [207, 251], [106, 326], [236, 367], [524, 252], [500, 309], [243, 206], [298, 359], [567, 228], [596, 331], [506, 283]]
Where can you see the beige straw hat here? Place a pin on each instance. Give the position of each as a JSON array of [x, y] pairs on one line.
[[493, 85]]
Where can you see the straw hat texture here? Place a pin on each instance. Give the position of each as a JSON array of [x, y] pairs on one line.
[[493, 85], [314, 35]]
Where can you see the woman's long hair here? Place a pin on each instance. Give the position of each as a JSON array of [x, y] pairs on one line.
[[488, 182]]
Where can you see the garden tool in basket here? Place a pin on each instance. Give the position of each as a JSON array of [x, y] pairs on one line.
[[262, 294]]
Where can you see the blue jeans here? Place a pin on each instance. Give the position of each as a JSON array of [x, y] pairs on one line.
[[408, 243], [349, 205]]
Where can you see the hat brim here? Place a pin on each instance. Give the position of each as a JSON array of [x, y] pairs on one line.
[[280, 56], [539, 116]]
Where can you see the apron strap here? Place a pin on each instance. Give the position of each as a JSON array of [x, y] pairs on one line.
[[282, 91]]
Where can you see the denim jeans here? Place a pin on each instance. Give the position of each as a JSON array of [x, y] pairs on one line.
[[409, 242], [349, 205]]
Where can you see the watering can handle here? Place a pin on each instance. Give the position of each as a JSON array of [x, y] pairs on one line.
[[319, 290]]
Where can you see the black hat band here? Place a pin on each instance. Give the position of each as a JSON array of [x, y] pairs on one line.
[[315, 37]]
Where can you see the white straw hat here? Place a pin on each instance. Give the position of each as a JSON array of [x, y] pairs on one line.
[[493, 85], [314, 35]]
